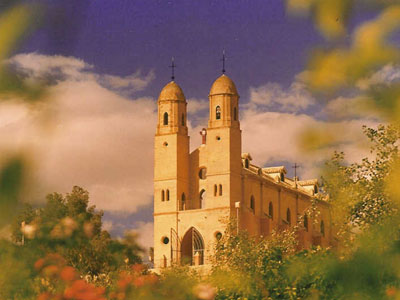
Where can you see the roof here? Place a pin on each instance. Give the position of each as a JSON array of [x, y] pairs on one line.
[[172, 91], [223, 85], [270, 170]]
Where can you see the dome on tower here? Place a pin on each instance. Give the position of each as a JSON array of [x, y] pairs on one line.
[[223, 85], [171, 91]]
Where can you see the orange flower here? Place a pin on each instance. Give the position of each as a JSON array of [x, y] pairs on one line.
[[44, 296], [138, 268], [391, 291], [68, 274], [39, 264]]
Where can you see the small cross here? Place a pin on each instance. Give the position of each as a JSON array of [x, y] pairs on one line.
[[172, 66], [223, 61], [295, 167]]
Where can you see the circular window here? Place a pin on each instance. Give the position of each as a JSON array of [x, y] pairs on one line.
[[165, 144], [218, 138], [203, 173], [218, 235], [165, 240]]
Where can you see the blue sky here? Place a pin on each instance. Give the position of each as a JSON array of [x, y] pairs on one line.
[[108, 61], [120, 37]]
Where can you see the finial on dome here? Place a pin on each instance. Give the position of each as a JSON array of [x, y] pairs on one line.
[[172, 66], [223, 61]]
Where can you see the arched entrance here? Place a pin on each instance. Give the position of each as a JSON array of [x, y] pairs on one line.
[[192, 248]]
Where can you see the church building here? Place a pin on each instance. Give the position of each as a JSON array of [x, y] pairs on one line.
[[196, 192]]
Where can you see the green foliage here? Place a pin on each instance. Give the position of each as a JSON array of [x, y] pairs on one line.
[[69, 226], [11, 183], [358, 191]]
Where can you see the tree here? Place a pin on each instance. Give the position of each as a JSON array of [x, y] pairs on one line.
[[358, 192], [69, 226]]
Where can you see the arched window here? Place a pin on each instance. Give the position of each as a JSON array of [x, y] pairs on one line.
[[246, 163], [215, 190], [322, 228], [167, 195], [218, 112], [202, 198], [305, 221], [183, 202], [282, 177], [234, 114], [220, 189], [165, 118], [252, 204], [183, 119], [162, 195], [271, 211], [288, 217]]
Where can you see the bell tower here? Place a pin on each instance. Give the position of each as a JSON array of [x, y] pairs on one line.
[[224, 143], [171, 167]]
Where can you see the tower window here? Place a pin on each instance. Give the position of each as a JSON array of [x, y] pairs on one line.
[[162, 195], [202, 173], [305, 221], [315, 189], [183, 202], [218, 235], [288, 217], [271, 211], [246, 163], [234, 113], [215, 190], [252, 204], [167, 195], [282, 177], [322, 228], [183, 119], [165, 118], [202, 198], [218, 112], [220, 189]]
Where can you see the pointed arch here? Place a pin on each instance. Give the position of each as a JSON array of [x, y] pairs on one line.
[[192, 247], [183, 202], [252, 204], [305, 222], [271, 210], [288, 217], [202, 198], [322, 228], [218, 112], [165, 122]]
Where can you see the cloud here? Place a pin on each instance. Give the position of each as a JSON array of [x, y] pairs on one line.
[[92, 137], [57, 68], [196, 105], [145, 231], [97, 138], [387, 75], [273, 97]]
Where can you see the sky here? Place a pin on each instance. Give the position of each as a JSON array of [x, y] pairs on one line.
[[106, 62]]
